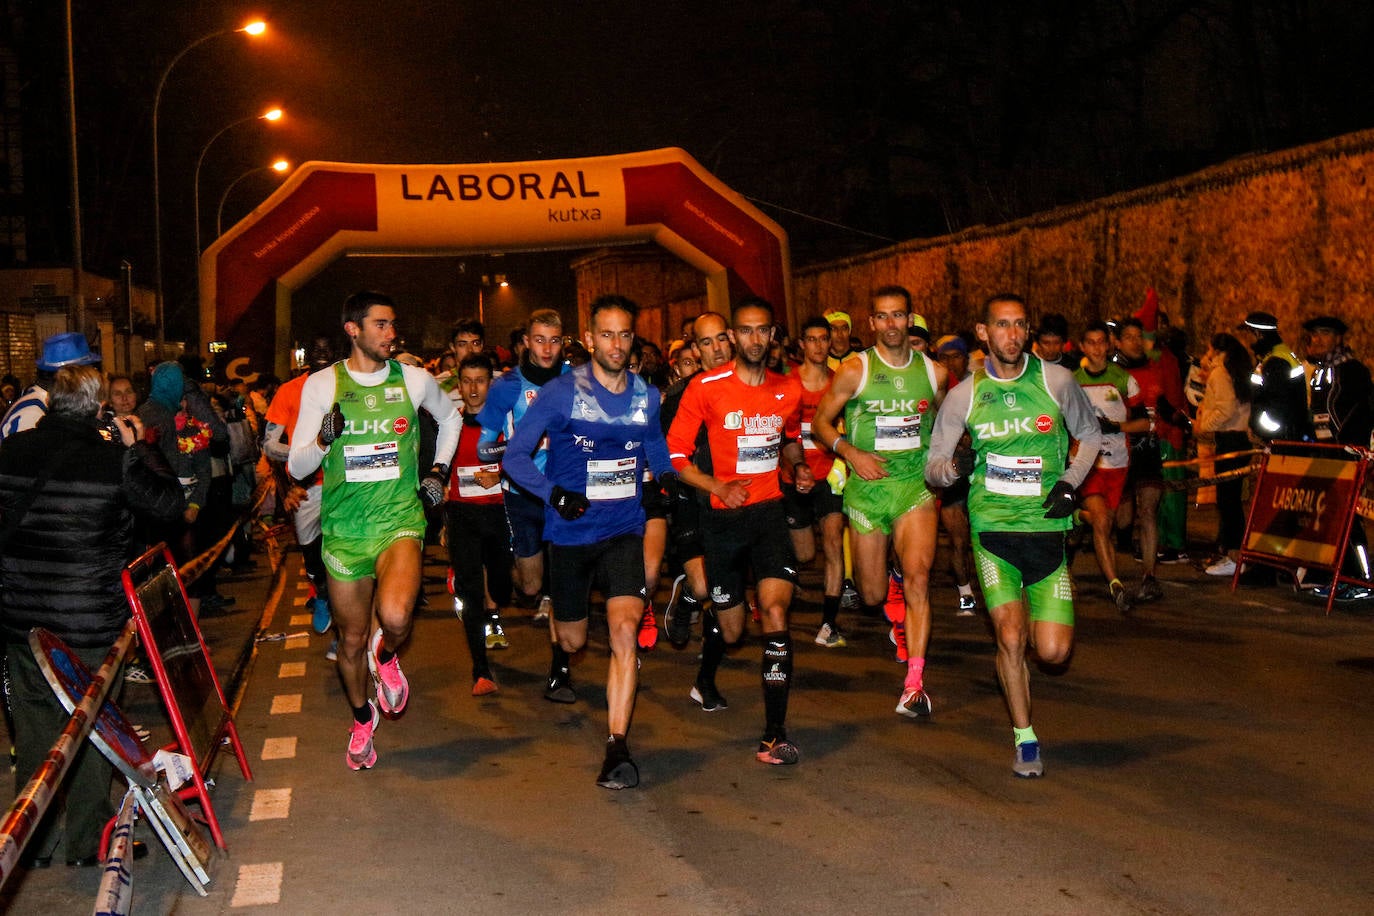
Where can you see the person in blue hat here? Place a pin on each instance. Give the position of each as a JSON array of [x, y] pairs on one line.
[[66, 349]]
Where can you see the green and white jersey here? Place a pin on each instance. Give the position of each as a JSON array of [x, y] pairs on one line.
[[1112, 393], [1022, 448], [370, 472], [1020, 429], [893, 411]]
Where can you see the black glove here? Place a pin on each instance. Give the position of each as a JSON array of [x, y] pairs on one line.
[[332, 426], [1060, 502], [432, 490], [568, 504], [670, 482], [1108, 426], [1170, 414], [964, 460]]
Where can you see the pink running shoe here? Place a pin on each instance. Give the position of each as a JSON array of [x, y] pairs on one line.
[[914, 704], [361, 754], [393, 690]]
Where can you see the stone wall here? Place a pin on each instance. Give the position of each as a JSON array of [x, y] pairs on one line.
[[1287, 232]]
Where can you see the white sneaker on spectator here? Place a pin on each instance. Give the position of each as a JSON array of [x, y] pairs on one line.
[[1223, 567]]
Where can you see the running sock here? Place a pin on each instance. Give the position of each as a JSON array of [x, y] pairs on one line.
[[362, 713], [966, 589], [871, 610], [712, 646], [830, 609], [1022, 735], [689, 605], [915, 671], [777, 680], [474, 629], [562, 664]]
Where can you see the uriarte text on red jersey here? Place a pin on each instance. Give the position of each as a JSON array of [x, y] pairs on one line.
[[758, 423]]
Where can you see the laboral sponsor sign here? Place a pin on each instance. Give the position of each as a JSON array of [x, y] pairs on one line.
[[1301, 508], [326, 210]]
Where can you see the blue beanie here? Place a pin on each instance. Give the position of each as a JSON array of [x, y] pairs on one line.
[[168, 386]]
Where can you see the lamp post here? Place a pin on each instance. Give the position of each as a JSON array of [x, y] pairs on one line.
[[280, 167], [270, 116], [252, 28]]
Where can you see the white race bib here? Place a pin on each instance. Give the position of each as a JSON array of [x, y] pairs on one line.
[[468, 487], [807, 442], [1011, 475], [612, 478], [757, 454], [896, 434], [377, 461]]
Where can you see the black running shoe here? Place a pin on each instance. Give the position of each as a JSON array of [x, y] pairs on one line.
[[559, 689], [618, 771], [708, 697], [676, 622]]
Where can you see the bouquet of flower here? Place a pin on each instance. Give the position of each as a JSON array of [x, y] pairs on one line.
[[192, 434]]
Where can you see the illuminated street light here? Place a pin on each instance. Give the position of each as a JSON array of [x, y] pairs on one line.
[[281, 166], [273, 115], [253, 28]]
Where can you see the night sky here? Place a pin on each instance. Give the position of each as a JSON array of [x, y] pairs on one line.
[[884, 120]]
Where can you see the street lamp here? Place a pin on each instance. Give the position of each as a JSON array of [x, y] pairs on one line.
[[253, 28], [280, 167], [271, 116]]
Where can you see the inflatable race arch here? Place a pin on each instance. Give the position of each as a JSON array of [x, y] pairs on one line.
[[327, 210]]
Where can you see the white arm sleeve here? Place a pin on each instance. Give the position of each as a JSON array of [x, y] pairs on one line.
[[317, 398], [425, 392]]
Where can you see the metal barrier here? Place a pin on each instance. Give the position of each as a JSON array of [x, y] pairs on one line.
[[28, 809], [32, 803]]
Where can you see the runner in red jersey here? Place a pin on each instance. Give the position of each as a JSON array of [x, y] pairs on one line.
[[476, 530], [752, 418]]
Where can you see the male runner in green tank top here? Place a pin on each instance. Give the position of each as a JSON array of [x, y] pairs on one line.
[[889, 394], [373, 502], [1019, 412]]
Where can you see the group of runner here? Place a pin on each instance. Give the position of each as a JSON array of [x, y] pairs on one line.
[[737, 461]]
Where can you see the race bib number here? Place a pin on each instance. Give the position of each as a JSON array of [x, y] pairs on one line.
[[807, 442], [897, 434], [757, 454], [469, 488], [1011, 475], [368, 463], [612, 478]]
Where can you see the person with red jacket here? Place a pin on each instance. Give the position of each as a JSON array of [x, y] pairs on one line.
[[752, 419], [478, 539]]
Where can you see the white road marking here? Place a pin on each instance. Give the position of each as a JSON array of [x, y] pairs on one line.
[[279, 748], [270, 805], [285, 703], [291, 669], [258, 885], [301, 620], [297, 642]]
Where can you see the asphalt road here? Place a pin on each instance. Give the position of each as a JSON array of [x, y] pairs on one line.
[[1209, 754]]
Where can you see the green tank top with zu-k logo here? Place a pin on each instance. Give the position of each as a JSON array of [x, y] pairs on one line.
[[371, 471], [893, 412], [1018, 434]]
